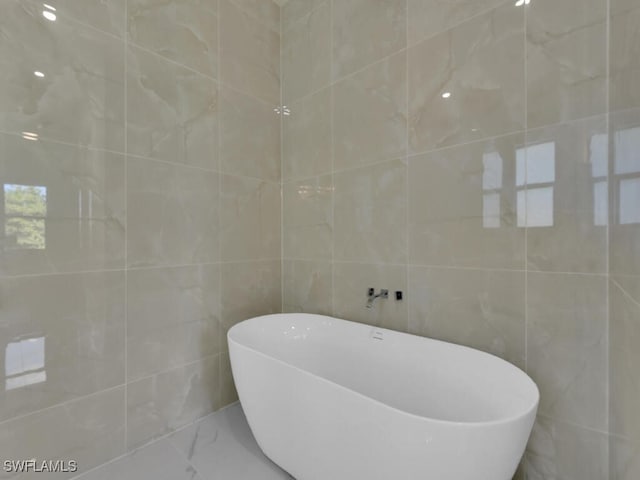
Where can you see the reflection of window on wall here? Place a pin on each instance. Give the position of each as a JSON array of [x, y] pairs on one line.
[[535, 176], [25, 209], [627, 175], [598, 153], [492, 189], [24, 363]]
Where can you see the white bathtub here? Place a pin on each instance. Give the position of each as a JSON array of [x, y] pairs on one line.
[[329, 399]]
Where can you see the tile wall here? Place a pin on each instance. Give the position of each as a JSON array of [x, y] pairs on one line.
[[140, 211], [483, 157]]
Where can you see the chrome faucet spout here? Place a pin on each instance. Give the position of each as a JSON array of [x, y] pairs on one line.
[[371, 296]]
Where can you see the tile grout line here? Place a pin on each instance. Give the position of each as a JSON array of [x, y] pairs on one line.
[[282, 149], [407, 219], [609, 216], [332, 262], [219, 155], [126, 230]]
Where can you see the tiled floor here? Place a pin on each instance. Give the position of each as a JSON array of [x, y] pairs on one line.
[[219, 447]]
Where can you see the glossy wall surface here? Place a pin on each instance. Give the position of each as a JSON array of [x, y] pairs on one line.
[[481, 156], [139, 214]]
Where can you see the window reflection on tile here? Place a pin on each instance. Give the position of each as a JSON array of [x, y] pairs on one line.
[[24, 363], [25, 210], [627, 174], [492, 186], [535, 176]]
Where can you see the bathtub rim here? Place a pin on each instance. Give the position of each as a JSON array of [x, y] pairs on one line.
[[495, 423]]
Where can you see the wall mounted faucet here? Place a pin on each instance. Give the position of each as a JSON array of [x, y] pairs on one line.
[[372, 295]]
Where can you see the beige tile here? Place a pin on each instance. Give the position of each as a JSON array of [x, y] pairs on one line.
[[429, 17], [172, 217], [483, 309], [160, 404], [267, 12], [622, 6], [250, 289], [307, 142], [569, 163], [306, 54], [173, 318], [106, 15], [566, 60], [370, 114], [295, 10], [462, 206], [567, 346], [624, 357], [172, 112], [350, 284], [481, 64], [624, 235], [308, 218], [249, 219], [63, 338], [370, 213], [250, 54], [77, 209], [624, 460], [307, 287], [249, 136], [180, 30], [561, 451], [89, 430], [228, 393], [365, 31], [624, 52], [80, 100]]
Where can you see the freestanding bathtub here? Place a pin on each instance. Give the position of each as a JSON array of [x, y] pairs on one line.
[[328, 399]]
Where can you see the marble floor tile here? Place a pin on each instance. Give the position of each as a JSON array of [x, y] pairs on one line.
[[220, 446]]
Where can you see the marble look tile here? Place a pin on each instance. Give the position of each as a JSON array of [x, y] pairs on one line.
[[250, 54], [560, 451], [89, 430], [307, 287], [250, 289], [180, 30], [308, 218], [295, 10], [350, 284], [618, 7], [483, 309], [624, 357], [80, 99], [566, 60], [624, 459], [365, 31], [624, 52], [162, 403], [158, 461], [463, 206], [228, 393], [63, 338], [370, 114], [569, 162], [172, 112], [306, 54], [222, 446], [567, 346], [624, 230], [173, 214], [250, 219], [79, 225], [249, 136], [173, 318], [106, 15], [370, 213], [268, 12], [430, 17], [307, 137], [481, 65]]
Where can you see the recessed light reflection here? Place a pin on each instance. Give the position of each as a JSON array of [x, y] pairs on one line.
[[30, 136], [53, 9], [446, 95], [38, 74], [519, 3], [49, 15]]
